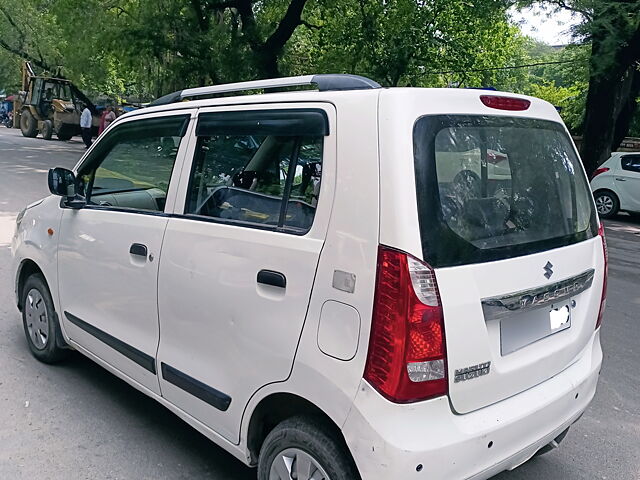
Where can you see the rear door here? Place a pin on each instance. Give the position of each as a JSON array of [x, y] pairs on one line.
[[628, 182], [240, 254], [515, 249]]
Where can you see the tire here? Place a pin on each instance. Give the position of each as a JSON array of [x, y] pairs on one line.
[[304, 440], [607, 203], [64, 133], [47, 129], [28, 124], [41, 322]]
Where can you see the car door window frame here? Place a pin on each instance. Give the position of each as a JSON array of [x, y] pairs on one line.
[[95, 155], [294, 117]]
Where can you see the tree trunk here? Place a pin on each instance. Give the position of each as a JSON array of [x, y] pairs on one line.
[[614, 85], [604, 101], [628, 110], [267, 53]]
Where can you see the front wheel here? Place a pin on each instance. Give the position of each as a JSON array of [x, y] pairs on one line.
[[607, 204], [304, 448], [39, 319], [47, 129]]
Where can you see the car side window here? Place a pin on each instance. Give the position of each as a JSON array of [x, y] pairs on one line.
[[631, 163], [131, 168], [268, 181]]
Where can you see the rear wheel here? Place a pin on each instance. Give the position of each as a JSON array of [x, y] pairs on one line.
[[47, 129], [304, 448], [28, 124], [607, 203], [40, 322], [64, 133]]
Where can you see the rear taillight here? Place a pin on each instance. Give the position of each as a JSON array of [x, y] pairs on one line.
[[603, 299], [505, 103], [599, 171], [406, 361]]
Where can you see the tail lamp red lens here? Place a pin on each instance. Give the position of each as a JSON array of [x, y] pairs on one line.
[[505, 103], [599, 171], [603, 299], [406, 361]]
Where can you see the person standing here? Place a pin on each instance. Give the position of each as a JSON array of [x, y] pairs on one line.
[[101, 127], [85, 126], [109, 117]]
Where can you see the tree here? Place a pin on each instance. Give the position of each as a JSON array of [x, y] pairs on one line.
[[614, 84], [613, 29], [28, 31], [150, 47]]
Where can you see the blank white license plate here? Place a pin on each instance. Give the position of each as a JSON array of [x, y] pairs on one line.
[[524, 328]]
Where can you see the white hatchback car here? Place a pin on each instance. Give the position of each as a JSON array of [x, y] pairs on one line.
[[301, 277], [616, 185]]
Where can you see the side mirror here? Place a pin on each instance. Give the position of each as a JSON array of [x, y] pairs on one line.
[[62, 182]]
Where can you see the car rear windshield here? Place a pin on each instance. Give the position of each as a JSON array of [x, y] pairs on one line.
[[490, 188]]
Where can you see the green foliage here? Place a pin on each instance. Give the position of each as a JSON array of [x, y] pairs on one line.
[[563, 84], [149, 47], [146, 48]]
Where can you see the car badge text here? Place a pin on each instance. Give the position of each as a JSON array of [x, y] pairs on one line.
[[469, 373]]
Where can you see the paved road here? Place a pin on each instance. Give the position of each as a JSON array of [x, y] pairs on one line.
[[76, 421]]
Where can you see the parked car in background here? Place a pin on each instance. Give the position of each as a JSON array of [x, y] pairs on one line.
[[334, 284], [616, 185]]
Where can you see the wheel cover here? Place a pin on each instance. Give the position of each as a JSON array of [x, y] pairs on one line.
[[25, 120], [37, 319], [296, 464], [604, 204]]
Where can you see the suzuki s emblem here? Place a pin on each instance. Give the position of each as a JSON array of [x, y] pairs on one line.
[[548, 270]]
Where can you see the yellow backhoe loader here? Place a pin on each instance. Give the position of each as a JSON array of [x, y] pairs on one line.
[[49, 105]]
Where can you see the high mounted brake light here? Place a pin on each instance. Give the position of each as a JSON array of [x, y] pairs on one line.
[[406, 361], [505, 103]]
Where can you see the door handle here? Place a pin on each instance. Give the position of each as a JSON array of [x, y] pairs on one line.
[[275, 279], [621, 179], [138, 249]]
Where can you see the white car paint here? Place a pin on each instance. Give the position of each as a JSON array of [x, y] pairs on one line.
[[211, 321], [623, 182]]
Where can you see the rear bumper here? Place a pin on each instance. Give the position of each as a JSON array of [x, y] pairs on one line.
[[391, 441]]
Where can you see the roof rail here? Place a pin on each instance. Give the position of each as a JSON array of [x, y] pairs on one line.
[[325, 83]]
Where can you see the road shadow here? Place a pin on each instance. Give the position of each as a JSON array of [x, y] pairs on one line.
[[186, 444]]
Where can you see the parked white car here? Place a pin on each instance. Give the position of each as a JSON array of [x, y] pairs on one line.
[[616, 185], [291, 274]]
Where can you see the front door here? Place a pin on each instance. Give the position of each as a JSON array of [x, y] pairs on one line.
[[628, 182], [109, 250], [239, 258]]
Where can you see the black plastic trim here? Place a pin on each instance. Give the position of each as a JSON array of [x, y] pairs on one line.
[[269, 277], [204, 392], [170, 98], [138, 249], [145, 361], [331, 82], [290, 122]]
